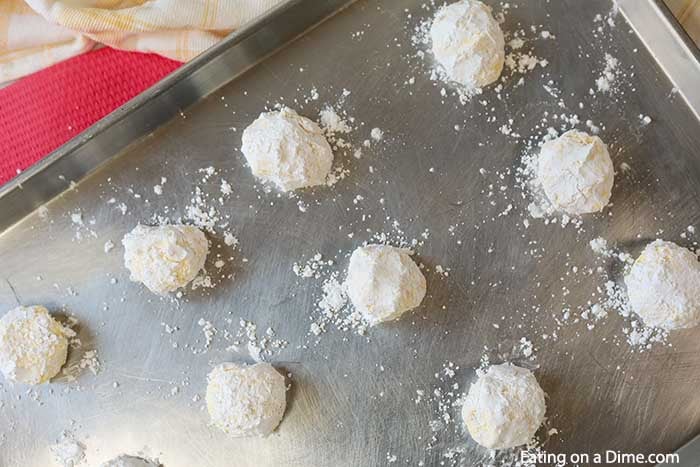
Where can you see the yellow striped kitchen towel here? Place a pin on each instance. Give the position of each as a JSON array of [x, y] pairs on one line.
[[37, 33]]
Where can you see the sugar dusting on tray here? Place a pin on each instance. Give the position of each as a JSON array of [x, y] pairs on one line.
[[68, 452], [606, 81]]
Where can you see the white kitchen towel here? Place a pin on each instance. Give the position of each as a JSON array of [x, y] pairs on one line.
[[37, 33]]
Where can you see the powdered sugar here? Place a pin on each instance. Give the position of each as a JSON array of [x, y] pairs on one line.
[[333, 309], [313, 267], [606, 82], [203, 209], [90, 361], [258, 348], [68, 452]]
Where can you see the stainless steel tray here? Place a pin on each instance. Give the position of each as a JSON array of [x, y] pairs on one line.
[[353, 398]]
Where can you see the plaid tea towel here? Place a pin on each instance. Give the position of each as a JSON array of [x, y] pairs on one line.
[[37, 33]]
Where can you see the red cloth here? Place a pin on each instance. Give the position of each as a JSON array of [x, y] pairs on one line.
[[44, 110]]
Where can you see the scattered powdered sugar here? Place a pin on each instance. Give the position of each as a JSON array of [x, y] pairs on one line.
[[230, 239], [259, 348], [313, 267], [519, 62], [203, 209], [68, 452], [445, 397], [334, 309], [526, 348], [333, 123], [606, 81], [334, 295], [88, 360], [76, 217], [599, 246], [332, 304], [337, 127], [208, 330], [82, 228], [642, 337], [226, 188]]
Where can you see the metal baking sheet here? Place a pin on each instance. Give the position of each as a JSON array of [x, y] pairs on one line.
[[353, 398]]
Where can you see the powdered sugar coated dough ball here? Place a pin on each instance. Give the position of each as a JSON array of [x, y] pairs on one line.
[[165, 257], [663, 286], [246, 400], [504, 407], [576, 172], [468, 43], [384, 282], [33, 345], [130, 461], [287, 149]]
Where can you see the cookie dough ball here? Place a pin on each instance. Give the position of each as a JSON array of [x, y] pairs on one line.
[[504, 407], [663, 286], [130, 461], [384, 282], [468, 43], [288, 150], [165, 257], [246, 400], [576, 172], [33, 345]]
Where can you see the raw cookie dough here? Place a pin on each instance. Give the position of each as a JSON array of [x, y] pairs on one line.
[[287, 149], [663, 286], [504, 407], [468, 43], [33, 345], [576, 172], [384, 282], [246, 400], [130, 461], [165, 257]]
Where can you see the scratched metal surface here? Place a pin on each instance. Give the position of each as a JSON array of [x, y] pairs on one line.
[[343, 409]]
